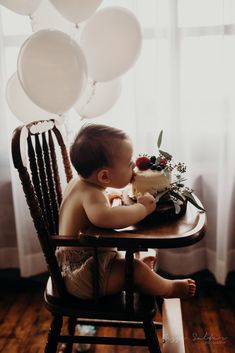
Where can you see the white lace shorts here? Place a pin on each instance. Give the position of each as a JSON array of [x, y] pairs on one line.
[[78, 266]]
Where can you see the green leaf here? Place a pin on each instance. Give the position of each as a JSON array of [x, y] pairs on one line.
[[176, 205], [191, 199], [160, 194], [196, 204], [177, 208], [159, 140], [189, 195], [166, 154], [176, 195]]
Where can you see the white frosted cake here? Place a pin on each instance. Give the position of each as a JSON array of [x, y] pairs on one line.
[[152, 175], [152, 181], [162, 178]]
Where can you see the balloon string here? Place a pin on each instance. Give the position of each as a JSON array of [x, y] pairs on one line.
[[69, 128], [93, 84], [76, 33], [31, 22]]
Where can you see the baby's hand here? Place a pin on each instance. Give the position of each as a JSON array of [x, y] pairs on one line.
[[114, 196], [148, 201]]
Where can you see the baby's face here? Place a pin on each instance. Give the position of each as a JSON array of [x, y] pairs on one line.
[[122, 172]]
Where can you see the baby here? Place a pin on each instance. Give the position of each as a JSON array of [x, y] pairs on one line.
[[102, 157]]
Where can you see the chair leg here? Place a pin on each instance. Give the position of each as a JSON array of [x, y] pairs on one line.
[[71, 329], [53, 335], [160, 302], [151, 336]]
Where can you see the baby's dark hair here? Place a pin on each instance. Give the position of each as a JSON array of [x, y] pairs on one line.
[[95, 147]]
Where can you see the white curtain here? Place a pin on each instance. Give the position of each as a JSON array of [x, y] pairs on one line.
[[19, 246], [8, 244], [182, 83], [190, 70]]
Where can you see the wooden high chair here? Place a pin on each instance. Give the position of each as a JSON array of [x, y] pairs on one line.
[[40, 156]]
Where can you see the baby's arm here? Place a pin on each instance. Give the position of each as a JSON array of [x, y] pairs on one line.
[[100, 213]]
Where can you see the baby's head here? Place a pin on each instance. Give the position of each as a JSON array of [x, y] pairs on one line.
[[96, 148]]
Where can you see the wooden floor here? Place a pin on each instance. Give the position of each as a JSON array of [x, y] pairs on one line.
[[209, 319]]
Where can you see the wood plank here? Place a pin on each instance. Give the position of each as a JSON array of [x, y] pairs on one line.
[[26, 325], [206, 322], [173, 334]]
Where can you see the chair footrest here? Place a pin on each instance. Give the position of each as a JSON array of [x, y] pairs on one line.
[[115, 323], [122, 341]]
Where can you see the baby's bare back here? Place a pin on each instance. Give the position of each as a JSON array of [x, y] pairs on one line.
[[72, 217]]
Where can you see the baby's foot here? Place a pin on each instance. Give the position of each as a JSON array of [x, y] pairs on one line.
[[150, 261], [181, 288]]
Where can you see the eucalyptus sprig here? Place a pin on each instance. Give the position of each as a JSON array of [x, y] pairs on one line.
[[177, 191], [189, 197], [167, 155]]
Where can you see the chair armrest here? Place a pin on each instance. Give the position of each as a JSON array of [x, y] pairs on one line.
[[74, 240]]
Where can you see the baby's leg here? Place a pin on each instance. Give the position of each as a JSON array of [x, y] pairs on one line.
[[149, 282], [149, 257]]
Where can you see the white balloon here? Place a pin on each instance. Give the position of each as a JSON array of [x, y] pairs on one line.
[[22, 7], [76, 11], [47, 16], [52, 70], [98, 99], [20, 104], [111, 41]]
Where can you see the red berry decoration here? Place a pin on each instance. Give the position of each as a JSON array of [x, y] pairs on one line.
[[163, 162], [143, 163]]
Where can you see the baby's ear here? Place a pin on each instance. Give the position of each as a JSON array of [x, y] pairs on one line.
[[104, 176]]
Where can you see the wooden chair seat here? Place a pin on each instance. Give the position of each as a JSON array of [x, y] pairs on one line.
[[111, 306]]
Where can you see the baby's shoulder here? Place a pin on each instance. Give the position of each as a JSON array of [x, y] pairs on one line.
[[86, 189], [72, 190], [82, 190]]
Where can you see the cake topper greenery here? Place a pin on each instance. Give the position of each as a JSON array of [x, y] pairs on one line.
[[177, 192]]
